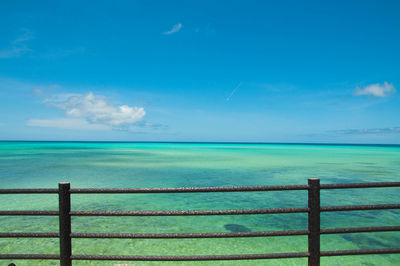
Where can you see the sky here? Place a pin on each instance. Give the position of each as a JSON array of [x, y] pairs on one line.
[[229, 71]]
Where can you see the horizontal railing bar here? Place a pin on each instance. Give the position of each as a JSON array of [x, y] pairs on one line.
[[33, 213], [360, 185], [29, 191], [203, 212], [360, 207], [203, 258], [205, 235], [360, 229], [198, 189], [192, 235], [361, 252], [16, 235], [187, 213], [189, 189], [30, 256], [193, 258]]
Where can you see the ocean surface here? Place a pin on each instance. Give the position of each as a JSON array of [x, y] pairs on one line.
[[123, 165]]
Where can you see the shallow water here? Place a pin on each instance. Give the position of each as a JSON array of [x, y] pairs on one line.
[[110, 165]]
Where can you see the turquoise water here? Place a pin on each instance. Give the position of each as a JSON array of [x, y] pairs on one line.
[[117, 165]]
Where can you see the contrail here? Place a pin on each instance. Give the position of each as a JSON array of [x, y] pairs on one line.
[[233, 92]]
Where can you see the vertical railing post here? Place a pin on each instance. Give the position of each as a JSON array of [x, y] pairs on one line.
[[65, 224], [314, 222]]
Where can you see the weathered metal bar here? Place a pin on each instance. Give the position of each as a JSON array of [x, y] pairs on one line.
[[191, 235], [314, 222], [36, 235], [193, 258], [29, 213], [29, 191], [65, 224], [360, 207], [199, 189], [360, 229], [29, 256], [360, 185], [361, 252], [189, 189], [204, 235], [188, 213]]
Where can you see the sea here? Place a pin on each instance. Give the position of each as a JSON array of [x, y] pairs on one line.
[[159, 165]]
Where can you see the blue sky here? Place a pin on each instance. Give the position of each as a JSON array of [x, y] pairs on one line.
[[262, 71]]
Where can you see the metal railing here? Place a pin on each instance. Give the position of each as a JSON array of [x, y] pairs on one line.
[[313, 232]]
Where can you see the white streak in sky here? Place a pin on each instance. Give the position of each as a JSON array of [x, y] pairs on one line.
[[233, 92]]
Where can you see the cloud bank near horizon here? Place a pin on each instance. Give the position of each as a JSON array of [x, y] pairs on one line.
[[387, 130]]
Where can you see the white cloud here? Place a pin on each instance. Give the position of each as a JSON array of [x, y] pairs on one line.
[[96, 110], [376, 90], [90, 111], [17, 46], [176, 28], [67, 123]]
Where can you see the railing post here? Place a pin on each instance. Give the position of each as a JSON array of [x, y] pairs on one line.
[[314, 222], [64, 197]]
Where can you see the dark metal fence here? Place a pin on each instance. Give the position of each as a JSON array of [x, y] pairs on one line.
[[313, 232]]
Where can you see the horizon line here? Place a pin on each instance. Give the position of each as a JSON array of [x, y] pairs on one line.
[[214, 142]]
